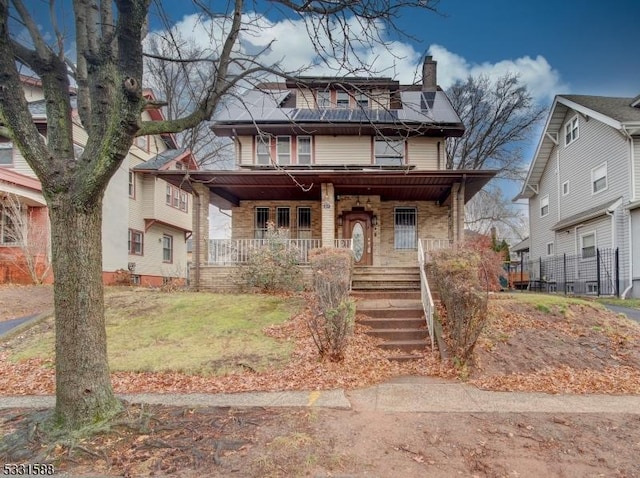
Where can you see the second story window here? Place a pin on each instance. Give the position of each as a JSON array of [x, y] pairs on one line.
[[176, 198], [389, 152], [362, 101], [599, 178], [571, 131], [342, 99], [544, 206], [6, 151], [132, 185], [284, 149], [323, 98], [304, 149], [263, 150]]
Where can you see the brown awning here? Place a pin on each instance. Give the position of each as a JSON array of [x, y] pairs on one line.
[[231, 187]]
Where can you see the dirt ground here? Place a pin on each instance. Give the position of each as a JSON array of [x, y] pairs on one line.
[[19, 301], [555, 349]]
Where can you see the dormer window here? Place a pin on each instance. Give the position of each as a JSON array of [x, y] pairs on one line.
[[362, 101], [342, 99], [263, 147], [571, 131], [389, 151]]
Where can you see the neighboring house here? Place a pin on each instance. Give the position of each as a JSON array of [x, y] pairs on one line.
[[146, 221], [336, 162], [583, 188]]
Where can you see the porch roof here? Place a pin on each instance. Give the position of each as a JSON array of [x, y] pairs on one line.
[[231, 187]]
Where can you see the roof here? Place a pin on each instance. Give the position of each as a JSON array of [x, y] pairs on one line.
[[162, 159], [619, 113], [422, 112], [587, 215], [231, 187], [522, 246]]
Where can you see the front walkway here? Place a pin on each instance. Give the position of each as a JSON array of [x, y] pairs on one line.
[[408, 394]]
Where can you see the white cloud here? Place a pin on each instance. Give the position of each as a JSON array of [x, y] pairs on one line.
[[287, 43]]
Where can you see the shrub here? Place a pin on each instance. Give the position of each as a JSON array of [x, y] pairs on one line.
[[274, 265], [332, 322], [463, 278], [122, 277]]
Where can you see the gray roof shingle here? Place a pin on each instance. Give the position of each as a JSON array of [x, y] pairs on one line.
[[619, 109], [160, 160]]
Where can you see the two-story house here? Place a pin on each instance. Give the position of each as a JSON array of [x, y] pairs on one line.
[[583, 188], [146, 221], [336, 162]]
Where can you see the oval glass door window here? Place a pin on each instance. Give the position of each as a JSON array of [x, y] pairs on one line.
[[357, 235]]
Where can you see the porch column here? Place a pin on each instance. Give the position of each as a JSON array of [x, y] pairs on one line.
[[200, 230], [460, 200], [328, 216], [454, 212]]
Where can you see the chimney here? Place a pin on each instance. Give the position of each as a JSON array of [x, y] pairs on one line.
[[429, 74]]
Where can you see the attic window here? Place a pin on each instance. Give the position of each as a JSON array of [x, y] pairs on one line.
[[571, 131], [342, 99]]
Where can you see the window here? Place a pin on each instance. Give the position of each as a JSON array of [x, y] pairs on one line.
[[132, 185], [284, 149], [544, 206], [599, 178], [588, 245], [304, 223], [142, 142], [9, 234], [304, 150], [168, 195], [565, 188], [184, 201], [571, 131], [136, 239], [324, 99], [405, 231], [177, 198], [6, 152], [263, 149], [342, 99], [549, 248], [262, 221], [389, 152], [283, 217], [167, 248], [362, 101]]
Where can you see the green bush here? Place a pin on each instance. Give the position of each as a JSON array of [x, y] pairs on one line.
[[274, 265], [333, 319], [463, 278]]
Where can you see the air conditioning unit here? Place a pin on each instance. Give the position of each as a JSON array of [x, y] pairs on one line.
[[131, 266]]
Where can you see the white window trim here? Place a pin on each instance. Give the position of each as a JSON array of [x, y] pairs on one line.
[[310, 149], [268, 143], [382, 139], [595, 245], [324, 105], [568, 125], [169, 238], [338, 99], [606, 178], [552, 248], [542, 199], [278, 149], [566, 183], [132, 184]]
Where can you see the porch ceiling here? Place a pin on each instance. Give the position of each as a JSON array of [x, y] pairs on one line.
[[231, 187]]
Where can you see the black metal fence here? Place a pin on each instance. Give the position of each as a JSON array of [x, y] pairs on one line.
[[597, 274]]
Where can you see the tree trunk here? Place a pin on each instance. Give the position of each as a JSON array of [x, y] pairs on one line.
[[83, 388]]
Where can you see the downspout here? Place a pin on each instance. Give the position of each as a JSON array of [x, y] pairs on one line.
[[626, 291], [197, 250], [633, 197]]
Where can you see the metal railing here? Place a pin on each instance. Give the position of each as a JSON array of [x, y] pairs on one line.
[[425, 292], [238, 251]]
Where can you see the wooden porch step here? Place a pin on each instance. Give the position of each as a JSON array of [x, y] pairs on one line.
[[387, 284], [400, 334], [411, 313], [393, 323], [405, 345], [385, 294]]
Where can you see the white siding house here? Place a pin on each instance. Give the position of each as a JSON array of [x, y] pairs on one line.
[[582, 186]]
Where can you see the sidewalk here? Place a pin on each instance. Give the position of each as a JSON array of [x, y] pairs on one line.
[[402, 395]]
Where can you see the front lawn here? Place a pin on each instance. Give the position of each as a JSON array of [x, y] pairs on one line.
[[151, 331]]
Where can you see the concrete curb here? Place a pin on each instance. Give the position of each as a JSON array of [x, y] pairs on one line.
[[31, 320]]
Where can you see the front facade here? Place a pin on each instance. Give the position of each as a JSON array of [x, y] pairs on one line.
[[338, 162], [146, 221], [583, 188]]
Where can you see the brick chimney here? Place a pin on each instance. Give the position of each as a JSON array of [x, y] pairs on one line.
[[429, 74]]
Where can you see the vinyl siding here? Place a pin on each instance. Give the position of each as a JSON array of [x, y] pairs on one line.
[[423, 153], [540, 227], [597, 143], [636, 167], [115, 222], [305, 99], [244, 151], [341, 150]]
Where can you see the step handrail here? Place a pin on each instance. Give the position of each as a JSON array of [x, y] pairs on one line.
[[425, 292]]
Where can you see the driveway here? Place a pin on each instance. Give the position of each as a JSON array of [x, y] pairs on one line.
[[633, 314], [7, 325]]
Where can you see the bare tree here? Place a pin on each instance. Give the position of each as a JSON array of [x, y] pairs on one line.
[[490, 209], [29, 233], [108, 73], [498, 117]]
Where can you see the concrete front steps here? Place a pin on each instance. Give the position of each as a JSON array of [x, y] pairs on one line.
[[393, 311]]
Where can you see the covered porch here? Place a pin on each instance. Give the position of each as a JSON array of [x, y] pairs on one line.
[[381, 214]]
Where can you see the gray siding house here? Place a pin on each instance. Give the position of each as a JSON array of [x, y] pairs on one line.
[[583, 188]]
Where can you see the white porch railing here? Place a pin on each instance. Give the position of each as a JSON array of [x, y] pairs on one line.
[[238, 251], [425, 292], [343, 244]]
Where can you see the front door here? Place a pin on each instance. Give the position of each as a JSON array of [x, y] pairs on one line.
[[357, 227]]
